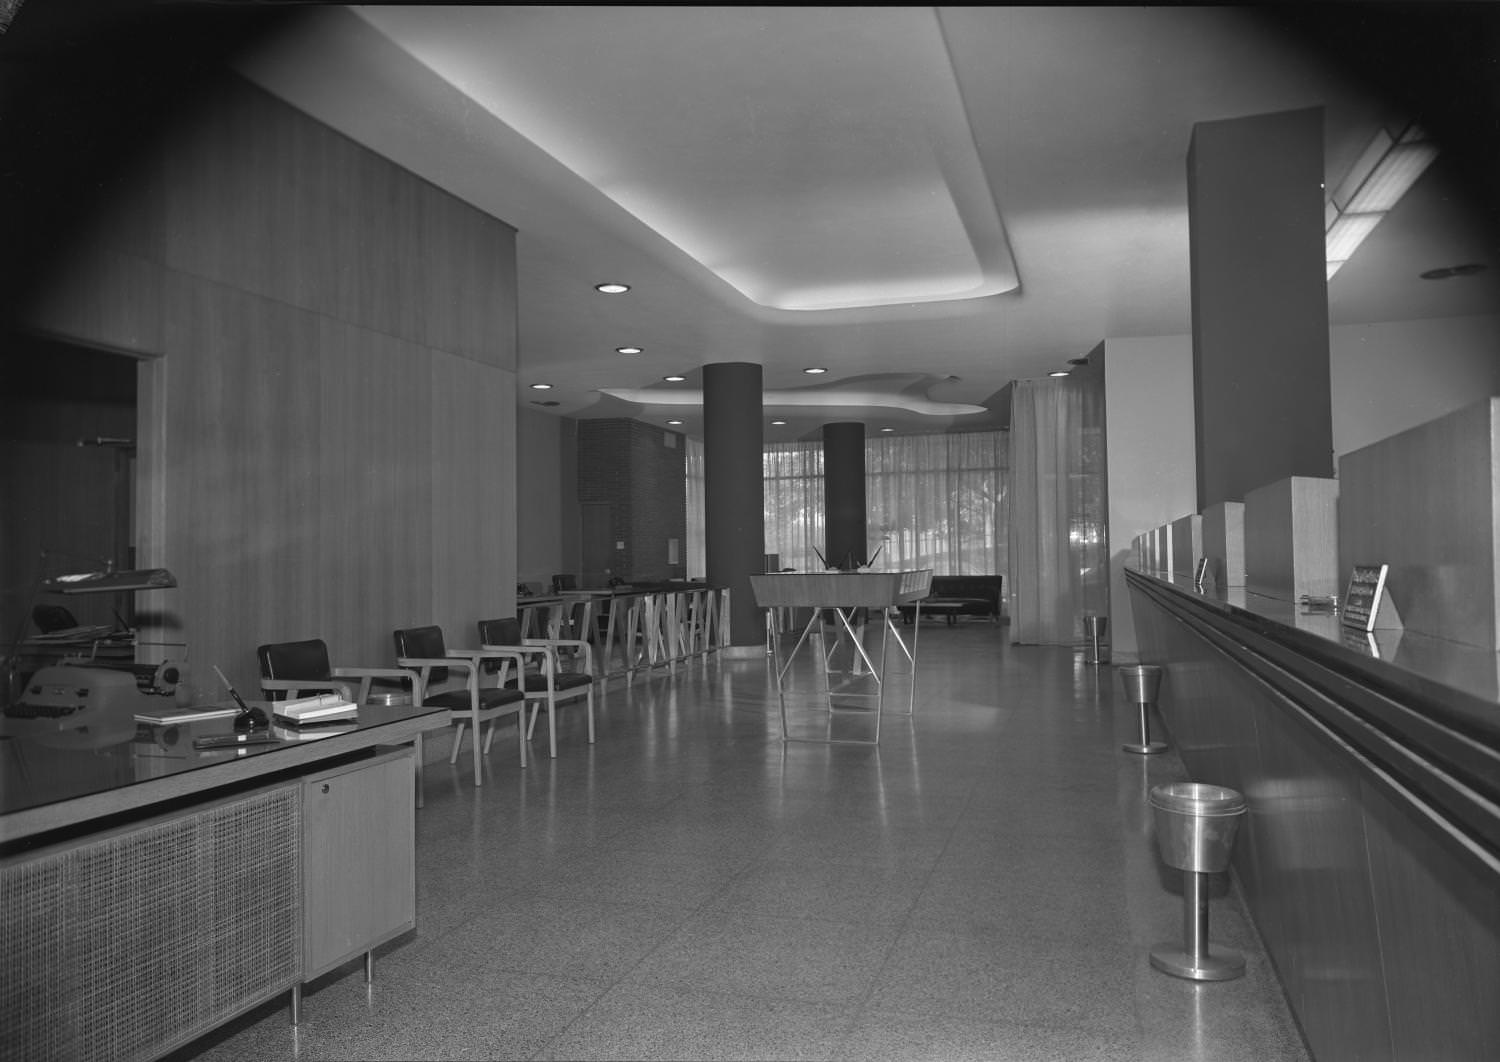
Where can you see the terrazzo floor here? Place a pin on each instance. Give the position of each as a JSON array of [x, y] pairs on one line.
[[982, 885]]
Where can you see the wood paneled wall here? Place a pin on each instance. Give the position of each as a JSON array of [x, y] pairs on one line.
[[1425, 502], [327, 416]]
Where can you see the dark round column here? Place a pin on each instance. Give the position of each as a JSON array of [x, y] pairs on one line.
[[845, 541], [733, 488]]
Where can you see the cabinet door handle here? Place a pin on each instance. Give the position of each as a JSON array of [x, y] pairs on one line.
[[326, 787]]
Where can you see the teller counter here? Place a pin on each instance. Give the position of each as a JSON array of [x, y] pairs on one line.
[[1370, 855]]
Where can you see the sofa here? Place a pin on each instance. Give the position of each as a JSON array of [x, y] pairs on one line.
[[951, 596]]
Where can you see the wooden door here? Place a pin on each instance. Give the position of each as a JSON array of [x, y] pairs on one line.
[[598, 544]]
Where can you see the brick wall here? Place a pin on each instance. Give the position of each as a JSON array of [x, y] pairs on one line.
[[640, 472]]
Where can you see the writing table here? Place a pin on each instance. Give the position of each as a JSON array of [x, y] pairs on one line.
[[840, 597]]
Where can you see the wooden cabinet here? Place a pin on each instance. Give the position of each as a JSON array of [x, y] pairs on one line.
[[358, 859]]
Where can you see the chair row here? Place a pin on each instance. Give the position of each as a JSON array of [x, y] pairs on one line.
[[525, 672]]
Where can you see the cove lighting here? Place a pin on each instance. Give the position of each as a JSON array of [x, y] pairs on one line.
[[612, 289], [627, 350]]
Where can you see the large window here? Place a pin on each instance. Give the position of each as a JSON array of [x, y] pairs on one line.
[[934, 501]]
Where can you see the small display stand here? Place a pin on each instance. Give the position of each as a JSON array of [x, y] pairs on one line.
[[840, 597]]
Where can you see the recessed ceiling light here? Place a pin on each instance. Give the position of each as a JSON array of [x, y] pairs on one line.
[[814, 372], [674, 423], [541, 387], [1058, 372], [674, 379], [627, 350], [1454, 271], [778, 423], [612, 289]]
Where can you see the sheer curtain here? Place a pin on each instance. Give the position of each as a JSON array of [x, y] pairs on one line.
[[939, 501], [935, 501], [794, 504], [694, 552], [1058, 546]]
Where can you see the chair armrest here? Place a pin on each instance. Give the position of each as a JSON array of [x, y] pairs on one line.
[[529, 646], [372, 672], [571, 643], [295, 686], [473, 656], [458, 663], [368, 675]]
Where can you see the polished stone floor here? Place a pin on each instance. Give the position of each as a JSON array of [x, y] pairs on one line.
[[982, 885]]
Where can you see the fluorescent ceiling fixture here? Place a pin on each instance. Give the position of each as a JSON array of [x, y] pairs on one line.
[[778, 423], [814, 398], [885, 201], [541, 387], [612, 289], [1384, 173], [1374, 185], [674, 379], [674, 422], [887, 429], [815, 371], [1347, 233], [1058, 372], [627, 350]]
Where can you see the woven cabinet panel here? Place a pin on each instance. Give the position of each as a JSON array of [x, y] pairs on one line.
[[170, 928], [34, 944]]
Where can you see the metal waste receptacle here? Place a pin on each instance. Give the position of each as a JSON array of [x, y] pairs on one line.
[[1195, 828], [1093, 630], [1142, 683]]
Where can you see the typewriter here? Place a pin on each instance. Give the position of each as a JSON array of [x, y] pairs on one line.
[[87, 706]]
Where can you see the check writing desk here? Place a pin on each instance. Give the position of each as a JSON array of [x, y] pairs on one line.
[[152, 890]]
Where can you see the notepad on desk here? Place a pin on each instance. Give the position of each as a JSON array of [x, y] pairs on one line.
[[314, 711], [178, 716], [313, 731]]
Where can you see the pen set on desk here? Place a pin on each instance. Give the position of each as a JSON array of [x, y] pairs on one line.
[[249, 718]]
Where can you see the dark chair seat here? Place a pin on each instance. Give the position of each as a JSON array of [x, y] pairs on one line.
[[458, 700], [538, 683]]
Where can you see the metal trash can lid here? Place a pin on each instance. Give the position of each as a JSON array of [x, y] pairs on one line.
[[1197, 798]]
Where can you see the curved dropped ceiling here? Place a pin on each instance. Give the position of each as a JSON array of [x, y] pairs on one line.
[[836, 170]]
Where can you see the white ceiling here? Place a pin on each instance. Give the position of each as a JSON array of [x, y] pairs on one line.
[[928, 202]]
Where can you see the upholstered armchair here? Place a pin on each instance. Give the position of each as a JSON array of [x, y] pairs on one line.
[[437, 667], [540, 677]]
